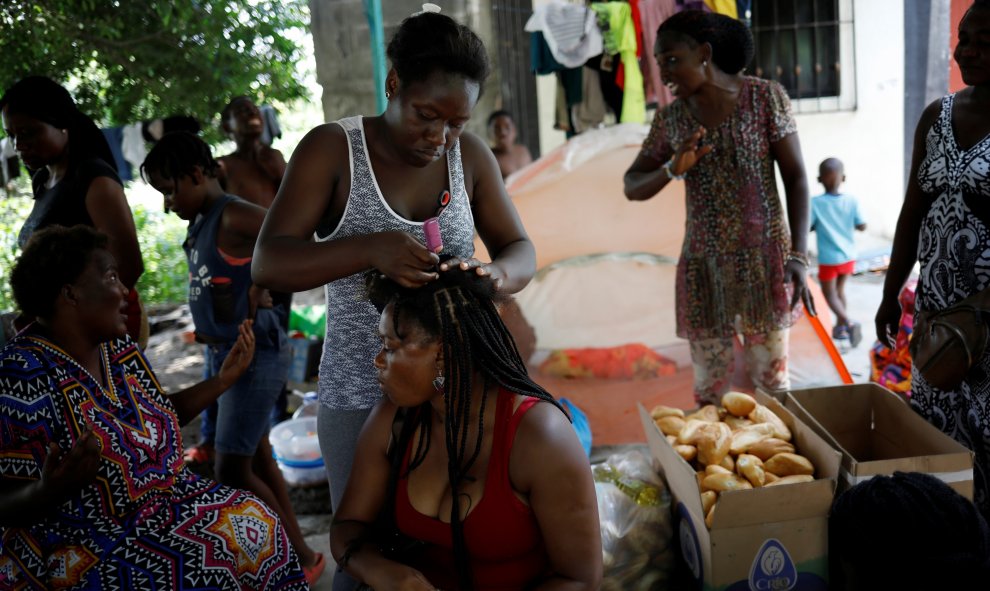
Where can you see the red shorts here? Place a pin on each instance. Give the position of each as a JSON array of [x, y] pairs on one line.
[[830, 272]]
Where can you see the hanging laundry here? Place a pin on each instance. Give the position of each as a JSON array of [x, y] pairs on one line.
[[272, 130], [115, 137], [726, 7], [590, 112], [132, 145], [692, 5], [540, 57], [605, 65], [570, 30], [652, 13], [619, 36], [10, 165]]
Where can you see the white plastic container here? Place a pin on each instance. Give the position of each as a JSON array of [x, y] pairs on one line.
[[297, 451]]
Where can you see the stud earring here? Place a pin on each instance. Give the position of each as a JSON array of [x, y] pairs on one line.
[[705, 63], [387, 95]]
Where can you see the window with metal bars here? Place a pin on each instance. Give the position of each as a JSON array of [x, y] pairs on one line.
[[798, 44]]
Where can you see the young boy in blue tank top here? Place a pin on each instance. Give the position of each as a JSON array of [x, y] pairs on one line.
[[834, 217], [219, 246]]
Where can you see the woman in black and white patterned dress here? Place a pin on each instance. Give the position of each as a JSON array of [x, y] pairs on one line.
[[945, 226]]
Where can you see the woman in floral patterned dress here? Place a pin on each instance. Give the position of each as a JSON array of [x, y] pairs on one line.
[[743, 266], [93, 491], [945, 226]]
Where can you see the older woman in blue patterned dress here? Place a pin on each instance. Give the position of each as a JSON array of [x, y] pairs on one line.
[[93, 492], [945, 226]]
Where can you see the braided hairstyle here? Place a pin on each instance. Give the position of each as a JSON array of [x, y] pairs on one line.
[[430, 41], [731, 40], [49, 102], [177, 155], [460, 310], [908, 531]]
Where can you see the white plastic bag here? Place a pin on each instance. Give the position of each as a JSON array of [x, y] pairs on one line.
[[637, 528]]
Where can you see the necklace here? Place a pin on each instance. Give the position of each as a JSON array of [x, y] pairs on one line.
[[109, 391]]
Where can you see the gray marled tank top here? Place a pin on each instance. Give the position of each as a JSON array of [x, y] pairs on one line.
[[348, 378]]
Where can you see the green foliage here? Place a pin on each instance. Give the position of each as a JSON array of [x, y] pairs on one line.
[[166, 276], [131, 60], [13, 212]]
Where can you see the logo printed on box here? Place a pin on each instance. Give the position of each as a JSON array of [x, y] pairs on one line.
[[690, 549], [773, 569]]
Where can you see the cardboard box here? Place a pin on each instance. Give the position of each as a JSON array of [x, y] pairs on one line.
[[305, 361], [878, 433], [764, 538]]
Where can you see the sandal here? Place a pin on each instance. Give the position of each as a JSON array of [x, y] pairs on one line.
[[313, 573], [199, 454]]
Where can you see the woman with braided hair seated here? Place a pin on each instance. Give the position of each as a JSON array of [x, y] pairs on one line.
[[489, 487]]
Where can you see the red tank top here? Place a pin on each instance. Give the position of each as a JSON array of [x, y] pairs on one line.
[[503, 538]]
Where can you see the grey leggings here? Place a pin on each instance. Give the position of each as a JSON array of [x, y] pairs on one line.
[[338, 431]]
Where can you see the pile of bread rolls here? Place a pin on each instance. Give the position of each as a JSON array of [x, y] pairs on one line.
[[740, 446]]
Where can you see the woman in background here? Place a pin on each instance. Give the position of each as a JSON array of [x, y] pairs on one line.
[[73, 177]]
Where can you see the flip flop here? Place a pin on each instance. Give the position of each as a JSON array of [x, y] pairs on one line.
[[313, 573], [197, 455]]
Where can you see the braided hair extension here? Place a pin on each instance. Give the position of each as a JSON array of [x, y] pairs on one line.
[[731, 40], [460, 309], [877, 524], [177, 155]]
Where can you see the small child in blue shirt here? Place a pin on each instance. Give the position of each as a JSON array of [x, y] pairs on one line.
[[834, 217]]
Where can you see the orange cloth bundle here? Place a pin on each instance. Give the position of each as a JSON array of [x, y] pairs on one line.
[[634, 361]]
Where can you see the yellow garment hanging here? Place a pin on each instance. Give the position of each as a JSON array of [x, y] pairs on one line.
[[726, 7], [621, 38]]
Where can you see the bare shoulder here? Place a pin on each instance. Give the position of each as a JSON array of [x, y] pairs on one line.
[[328, 137], [473, 147], [543, 428]]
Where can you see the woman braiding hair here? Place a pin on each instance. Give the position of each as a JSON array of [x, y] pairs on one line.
[[449, 359]]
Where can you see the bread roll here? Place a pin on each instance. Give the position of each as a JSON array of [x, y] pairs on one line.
[[688, 452], [768, 448], [660, 411], [670, 425], [708, 499], [795, 479], [738, 404], [714, 440], [728, 463], [789, 464], [671, 439], [751, 468], [762, 414], [707, 413], [724, 482], [700, 475], [689, 434], [710, 516], [771, 477], [716, 469], [747, 437], [736, 423]]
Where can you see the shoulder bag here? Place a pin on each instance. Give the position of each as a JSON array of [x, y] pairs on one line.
[[946, 344]]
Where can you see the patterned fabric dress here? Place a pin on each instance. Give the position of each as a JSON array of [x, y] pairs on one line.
[[736, 238], [146, 522], [954, 254]]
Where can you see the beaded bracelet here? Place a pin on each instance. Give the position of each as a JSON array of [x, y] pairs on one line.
[[798, 257], [668, 167]]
